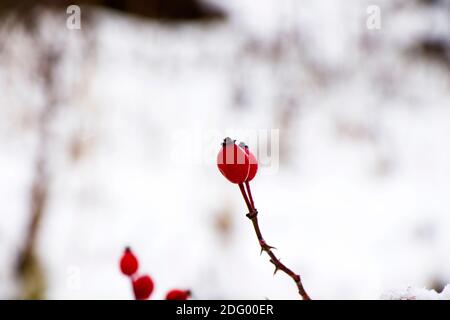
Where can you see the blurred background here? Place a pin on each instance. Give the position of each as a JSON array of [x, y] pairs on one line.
[[93, 121]]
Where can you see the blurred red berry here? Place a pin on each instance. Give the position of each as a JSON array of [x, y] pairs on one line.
[[233, 162], [143, 287], [252, 162], [128, 263], [177, 294]]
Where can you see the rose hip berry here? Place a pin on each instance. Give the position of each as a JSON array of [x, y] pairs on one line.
[[252, 162], [239, 172], [128, 263], [233, 162], [177, 294], [143, 287]]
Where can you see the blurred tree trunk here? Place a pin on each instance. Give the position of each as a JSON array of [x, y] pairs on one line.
[[29, 270]]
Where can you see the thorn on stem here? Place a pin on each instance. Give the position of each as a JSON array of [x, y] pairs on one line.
[[276, 270], [265, 246]]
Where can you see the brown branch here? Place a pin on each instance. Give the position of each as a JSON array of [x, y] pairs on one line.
[[279, 266], [249, 191], [253, 216]]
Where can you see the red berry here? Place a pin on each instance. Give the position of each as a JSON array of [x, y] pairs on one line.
[[252, 161], [177, 294], [233, 162], [143, 287], [128, 263]]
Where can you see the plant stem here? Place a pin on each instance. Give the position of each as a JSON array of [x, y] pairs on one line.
[[249, 191], [277, 263], [253, 216], [247, 202]]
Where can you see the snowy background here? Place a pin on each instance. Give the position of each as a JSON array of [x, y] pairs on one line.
[[119, 123]]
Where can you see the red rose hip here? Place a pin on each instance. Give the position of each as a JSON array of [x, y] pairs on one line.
[[253, 163], [177, 294], [143, 287], [128, 263], [233, 162]]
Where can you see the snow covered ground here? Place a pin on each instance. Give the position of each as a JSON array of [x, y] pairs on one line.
[[359, 205]]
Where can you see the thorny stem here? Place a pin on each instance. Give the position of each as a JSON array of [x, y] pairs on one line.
[[279, 266]]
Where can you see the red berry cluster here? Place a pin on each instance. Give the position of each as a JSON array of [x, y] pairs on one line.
[[143, 285], [239, 166]]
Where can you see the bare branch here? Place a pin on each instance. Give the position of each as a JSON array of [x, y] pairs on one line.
[[279, 266]]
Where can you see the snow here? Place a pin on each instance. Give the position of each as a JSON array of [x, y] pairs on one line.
[[419, 294], [359, 205]]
